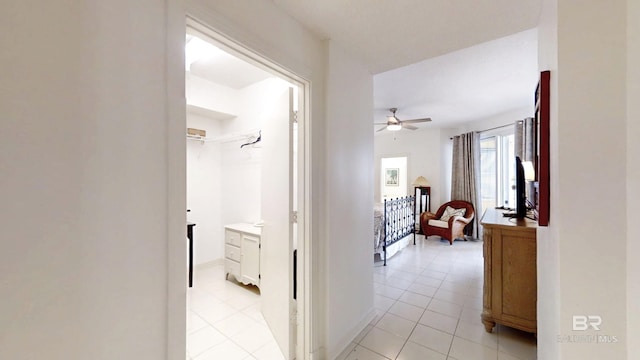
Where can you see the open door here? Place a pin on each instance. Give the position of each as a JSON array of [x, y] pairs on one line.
[[276, 266]]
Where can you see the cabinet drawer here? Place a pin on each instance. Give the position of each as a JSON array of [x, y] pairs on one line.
[[232, 267], [232, 237], [232, 252]]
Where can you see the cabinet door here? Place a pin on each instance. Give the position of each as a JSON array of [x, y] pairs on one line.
[[518, 276], [250, 260]]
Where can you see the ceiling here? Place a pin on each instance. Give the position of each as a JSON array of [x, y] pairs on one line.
[[389, 34], [452, 60], [479, 82], [227, 70]]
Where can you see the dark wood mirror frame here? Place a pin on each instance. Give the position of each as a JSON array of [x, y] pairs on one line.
[[542, 103]]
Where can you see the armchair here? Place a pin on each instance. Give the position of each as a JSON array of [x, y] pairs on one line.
[[450, 228]]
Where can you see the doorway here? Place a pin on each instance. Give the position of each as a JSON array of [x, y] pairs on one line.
[[245, 123], [393, 177]]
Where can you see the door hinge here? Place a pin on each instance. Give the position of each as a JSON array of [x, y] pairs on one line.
[[294, 217], [295, 117], [259, 276]]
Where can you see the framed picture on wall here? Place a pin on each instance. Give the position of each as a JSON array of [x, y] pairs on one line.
[[391, 177]]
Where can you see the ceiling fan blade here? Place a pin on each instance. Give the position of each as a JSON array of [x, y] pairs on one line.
[[410, 127], [413, 121], [382, 128], [384, 123]]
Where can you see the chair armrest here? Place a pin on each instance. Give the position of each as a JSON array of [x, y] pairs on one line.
[[426, 216], [459, 218]]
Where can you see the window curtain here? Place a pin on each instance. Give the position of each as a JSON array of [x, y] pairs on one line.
[[465, 176], [525, 147], [525, 139]]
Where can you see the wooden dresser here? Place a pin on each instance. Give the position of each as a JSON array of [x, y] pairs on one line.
[[510, 288]]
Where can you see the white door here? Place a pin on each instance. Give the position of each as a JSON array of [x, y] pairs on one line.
[[276, 266]]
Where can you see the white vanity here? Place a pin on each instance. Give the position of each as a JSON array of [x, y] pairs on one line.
[[242, 252]]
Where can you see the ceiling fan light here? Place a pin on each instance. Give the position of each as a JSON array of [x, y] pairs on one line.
[[394, 127]]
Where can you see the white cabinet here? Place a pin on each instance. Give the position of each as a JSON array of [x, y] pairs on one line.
[[242, 253]]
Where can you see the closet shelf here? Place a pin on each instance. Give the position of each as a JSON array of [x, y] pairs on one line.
[[249, 135], [212, 114]]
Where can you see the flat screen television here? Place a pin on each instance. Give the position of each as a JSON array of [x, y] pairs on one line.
[[521, 193]]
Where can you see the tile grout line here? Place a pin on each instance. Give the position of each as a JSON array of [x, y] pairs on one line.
[[414, 326]]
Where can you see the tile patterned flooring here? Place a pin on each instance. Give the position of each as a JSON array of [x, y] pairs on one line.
[[224, 321], [428, 301]]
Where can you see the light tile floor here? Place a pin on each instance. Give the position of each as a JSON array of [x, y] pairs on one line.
[[429, 300], [224, 320]]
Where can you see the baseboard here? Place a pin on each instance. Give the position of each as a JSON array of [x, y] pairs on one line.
[[348, 339]]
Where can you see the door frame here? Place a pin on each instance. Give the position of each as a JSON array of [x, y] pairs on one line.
[[305, 334]]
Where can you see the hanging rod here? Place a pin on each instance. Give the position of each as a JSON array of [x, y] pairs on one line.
[[257, 140]]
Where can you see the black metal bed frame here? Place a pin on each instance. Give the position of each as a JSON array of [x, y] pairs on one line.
[[399, 221]]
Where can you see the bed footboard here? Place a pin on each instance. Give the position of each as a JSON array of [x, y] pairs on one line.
[[399, 221]]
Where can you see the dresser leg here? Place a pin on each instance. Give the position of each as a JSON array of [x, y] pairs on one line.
[[488, 325]]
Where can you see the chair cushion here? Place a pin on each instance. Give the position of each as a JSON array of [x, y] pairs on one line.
[[449, 212], [438, 223]]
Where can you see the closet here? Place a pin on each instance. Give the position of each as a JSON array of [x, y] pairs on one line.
[[242, 180], [225, 161]]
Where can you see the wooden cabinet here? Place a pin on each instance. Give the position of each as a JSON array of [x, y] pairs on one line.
[[242, 253], [510, 288]]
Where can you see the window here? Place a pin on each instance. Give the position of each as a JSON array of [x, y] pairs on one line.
[[497, 172], [488, 172]]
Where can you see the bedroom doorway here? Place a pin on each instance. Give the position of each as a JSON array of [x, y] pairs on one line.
[[393, 177], [249, 118]]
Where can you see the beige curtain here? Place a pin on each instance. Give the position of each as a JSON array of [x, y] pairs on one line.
[[525, 147], [465, 175], [525, 139]]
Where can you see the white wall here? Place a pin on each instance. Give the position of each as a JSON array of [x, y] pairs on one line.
[[204, 190], [633, 175], [224, 180], [349, 176], [241, 167], [446, 160], [84, 187], [591, 41], [548, 257], [423, 149], [389, 192], [206, 94], [582, 267]]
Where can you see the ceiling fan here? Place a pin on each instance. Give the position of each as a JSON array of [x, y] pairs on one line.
[[395, 124]]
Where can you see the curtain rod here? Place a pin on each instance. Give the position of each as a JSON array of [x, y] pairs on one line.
[[497, 127], [493, 128]]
